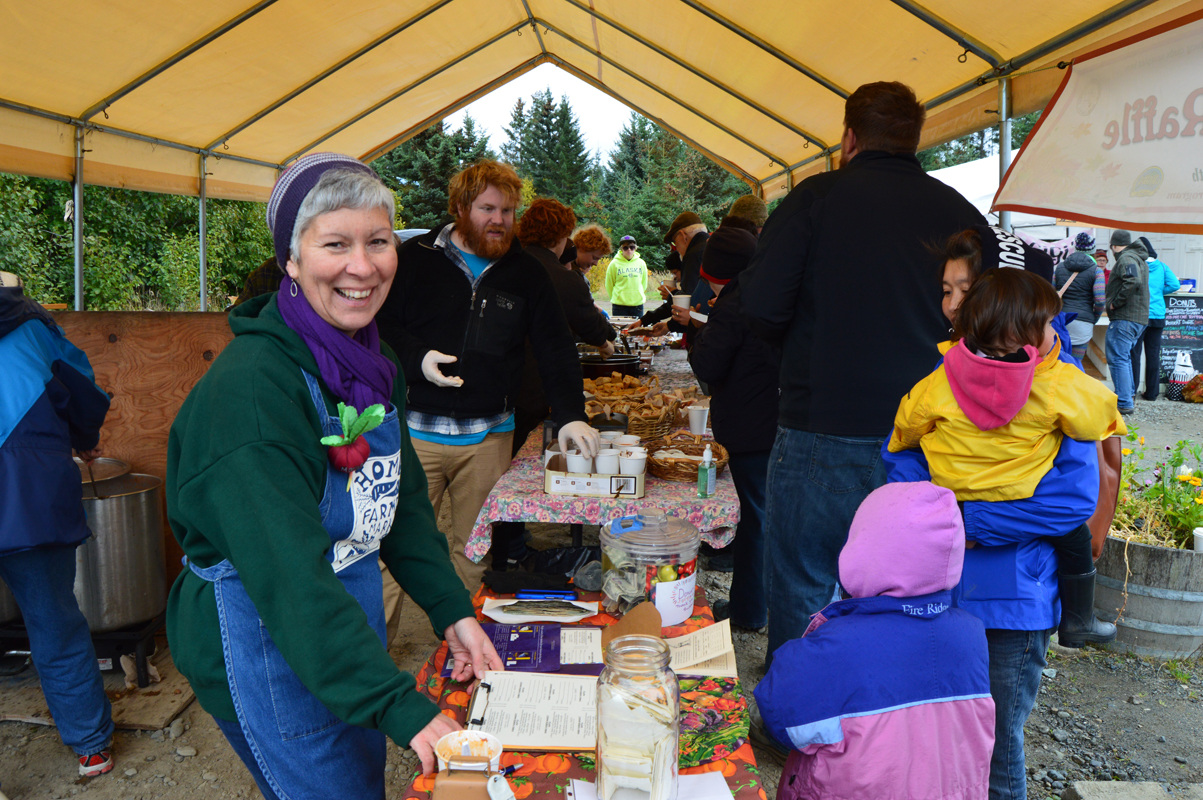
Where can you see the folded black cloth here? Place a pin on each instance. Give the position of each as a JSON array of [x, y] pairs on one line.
[[511, 582]]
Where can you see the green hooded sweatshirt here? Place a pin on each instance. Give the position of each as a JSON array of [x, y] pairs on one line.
[[626, 280], [245, 474]]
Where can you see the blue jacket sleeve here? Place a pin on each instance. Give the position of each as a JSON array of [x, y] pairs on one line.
[[87, 404]]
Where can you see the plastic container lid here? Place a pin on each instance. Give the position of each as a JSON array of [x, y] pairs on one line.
[[650, 534]]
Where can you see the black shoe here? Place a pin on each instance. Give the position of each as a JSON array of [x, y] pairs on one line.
[[717, 560], [1127, 411], [1078, 622], [1152, 399], [721, 610]]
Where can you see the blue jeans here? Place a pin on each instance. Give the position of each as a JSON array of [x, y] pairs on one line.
[[237, 739], [43, 580], [1122, 335], [1016, 659], [749, 608], [815, 484]]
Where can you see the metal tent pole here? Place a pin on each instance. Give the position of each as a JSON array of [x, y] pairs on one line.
[[77, 217], [1004, 142], [204, 277]]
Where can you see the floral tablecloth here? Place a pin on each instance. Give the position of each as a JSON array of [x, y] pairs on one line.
[[714, 726], [519, 497]]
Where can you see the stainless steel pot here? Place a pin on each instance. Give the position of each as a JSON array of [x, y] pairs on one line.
[[8, 605], [120, 579]]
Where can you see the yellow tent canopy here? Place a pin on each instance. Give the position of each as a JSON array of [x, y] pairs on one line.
[[153, 90]]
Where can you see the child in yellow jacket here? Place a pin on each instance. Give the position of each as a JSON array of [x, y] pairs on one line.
[[990, 419]]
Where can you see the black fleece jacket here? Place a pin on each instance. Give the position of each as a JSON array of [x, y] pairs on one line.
[[844, 283], [433, 305]]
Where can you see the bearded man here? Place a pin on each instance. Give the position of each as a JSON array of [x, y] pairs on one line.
[[465, 301]]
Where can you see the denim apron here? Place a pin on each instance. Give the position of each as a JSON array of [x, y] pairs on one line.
[[303, 750]]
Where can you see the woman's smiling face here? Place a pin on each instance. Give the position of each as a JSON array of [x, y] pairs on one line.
[[347, 261]]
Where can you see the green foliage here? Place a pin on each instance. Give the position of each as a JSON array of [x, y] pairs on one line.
[[1164, 506], [545, 144], [141, 250], [975, 146], [420, 169]]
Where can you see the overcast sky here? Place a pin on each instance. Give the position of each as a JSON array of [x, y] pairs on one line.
[[601, 116]]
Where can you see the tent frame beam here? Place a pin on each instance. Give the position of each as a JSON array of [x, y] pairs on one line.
[[77, 217], [402, 92], [777, 53], [932, 20], [326, 73], [34, 111], [1100, 20], [696, 112], [203, 233], [660, 51], [534, 26], [176, 58], [1004, 142]]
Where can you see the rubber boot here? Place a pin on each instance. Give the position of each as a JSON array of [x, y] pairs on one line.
[[1078, 623]]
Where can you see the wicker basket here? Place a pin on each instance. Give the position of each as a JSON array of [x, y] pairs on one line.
[[670, 469], [648, 428]]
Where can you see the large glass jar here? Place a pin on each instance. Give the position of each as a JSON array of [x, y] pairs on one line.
[[638, 703], [650, 556]]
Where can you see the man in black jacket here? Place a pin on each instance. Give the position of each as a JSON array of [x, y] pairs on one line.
[[464, 302], [844, 284]]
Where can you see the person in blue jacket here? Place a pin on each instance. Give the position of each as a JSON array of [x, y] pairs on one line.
[[1009, 579], [1162, 281], [50, 405]]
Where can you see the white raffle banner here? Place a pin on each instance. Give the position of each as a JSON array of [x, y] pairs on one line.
[[1121, 143]]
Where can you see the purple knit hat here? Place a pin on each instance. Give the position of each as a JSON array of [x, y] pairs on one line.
[[291, 189]]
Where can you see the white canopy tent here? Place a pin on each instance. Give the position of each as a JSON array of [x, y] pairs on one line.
[[213, 99]]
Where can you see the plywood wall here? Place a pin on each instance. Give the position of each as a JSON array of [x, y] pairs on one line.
[[148, 362]]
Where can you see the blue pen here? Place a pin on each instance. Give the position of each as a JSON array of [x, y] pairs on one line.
[[545, 594]]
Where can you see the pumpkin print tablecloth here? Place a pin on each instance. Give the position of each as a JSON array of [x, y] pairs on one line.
[[714, 725]]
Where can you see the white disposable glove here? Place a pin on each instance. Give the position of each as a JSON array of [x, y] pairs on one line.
[[430, 369], [583, 435], [607, 349]]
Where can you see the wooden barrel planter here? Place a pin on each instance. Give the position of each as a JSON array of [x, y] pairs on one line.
[[1162, 600]]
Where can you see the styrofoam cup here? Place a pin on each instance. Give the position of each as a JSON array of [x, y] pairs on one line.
[[610, 436], [627, 439], [479, 744], [607, 462], [681, 300], [578, 462], [697, 419], [633, 464]]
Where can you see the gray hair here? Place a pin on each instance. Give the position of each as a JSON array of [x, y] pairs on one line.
[[335, 190]]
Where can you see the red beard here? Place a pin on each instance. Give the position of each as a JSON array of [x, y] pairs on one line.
[[478, 243]]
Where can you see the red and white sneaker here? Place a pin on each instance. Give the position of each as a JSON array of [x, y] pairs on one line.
[[96, 764]]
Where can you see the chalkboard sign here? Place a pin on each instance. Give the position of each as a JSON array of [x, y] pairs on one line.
[[1183, 332]]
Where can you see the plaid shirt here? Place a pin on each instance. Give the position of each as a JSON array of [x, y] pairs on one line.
[[436, 423]]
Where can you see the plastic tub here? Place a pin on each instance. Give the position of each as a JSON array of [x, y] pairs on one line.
[[650, 556]]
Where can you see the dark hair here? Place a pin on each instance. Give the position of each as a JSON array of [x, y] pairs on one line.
[[885, 116], [545, 223], [967, 245], [1003, 308]]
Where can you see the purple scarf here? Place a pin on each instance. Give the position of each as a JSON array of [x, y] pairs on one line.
[[353, 367]]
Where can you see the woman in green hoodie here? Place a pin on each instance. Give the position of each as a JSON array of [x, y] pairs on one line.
[[626, 280], [288, 473]]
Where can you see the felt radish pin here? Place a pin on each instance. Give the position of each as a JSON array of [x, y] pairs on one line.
[[349, 452]]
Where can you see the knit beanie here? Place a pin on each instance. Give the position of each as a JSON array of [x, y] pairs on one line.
[[752, 208], [1084, 242], [290, 191], [906, 540], [1120, 238], [1002, 249], [1148, 247], [727, 253]]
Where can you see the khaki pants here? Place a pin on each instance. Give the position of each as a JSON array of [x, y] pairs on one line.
[[394, 599], [468, 473]]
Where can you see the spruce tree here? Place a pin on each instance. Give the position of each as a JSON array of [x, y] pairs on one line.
[[570, 184]]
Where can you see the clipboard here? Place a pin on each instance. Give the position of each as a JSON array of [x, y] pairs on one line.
[[536, 712]]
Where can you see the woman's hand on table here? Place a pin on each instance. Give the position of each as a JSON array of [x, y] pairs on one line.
[[424, 741], [471, 650]]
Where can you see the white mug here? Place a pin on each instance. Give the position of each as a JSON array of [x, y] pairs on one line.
[[578, 462], [607, 462], [697, 419], [633, 464]]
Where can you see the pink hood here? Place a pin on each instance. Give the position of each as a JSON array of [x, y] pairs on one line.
[[990, 392], [906, 540]]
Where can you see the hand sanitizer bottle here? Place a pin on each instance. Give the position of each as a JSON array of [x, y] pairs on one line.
[[706, 474]]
